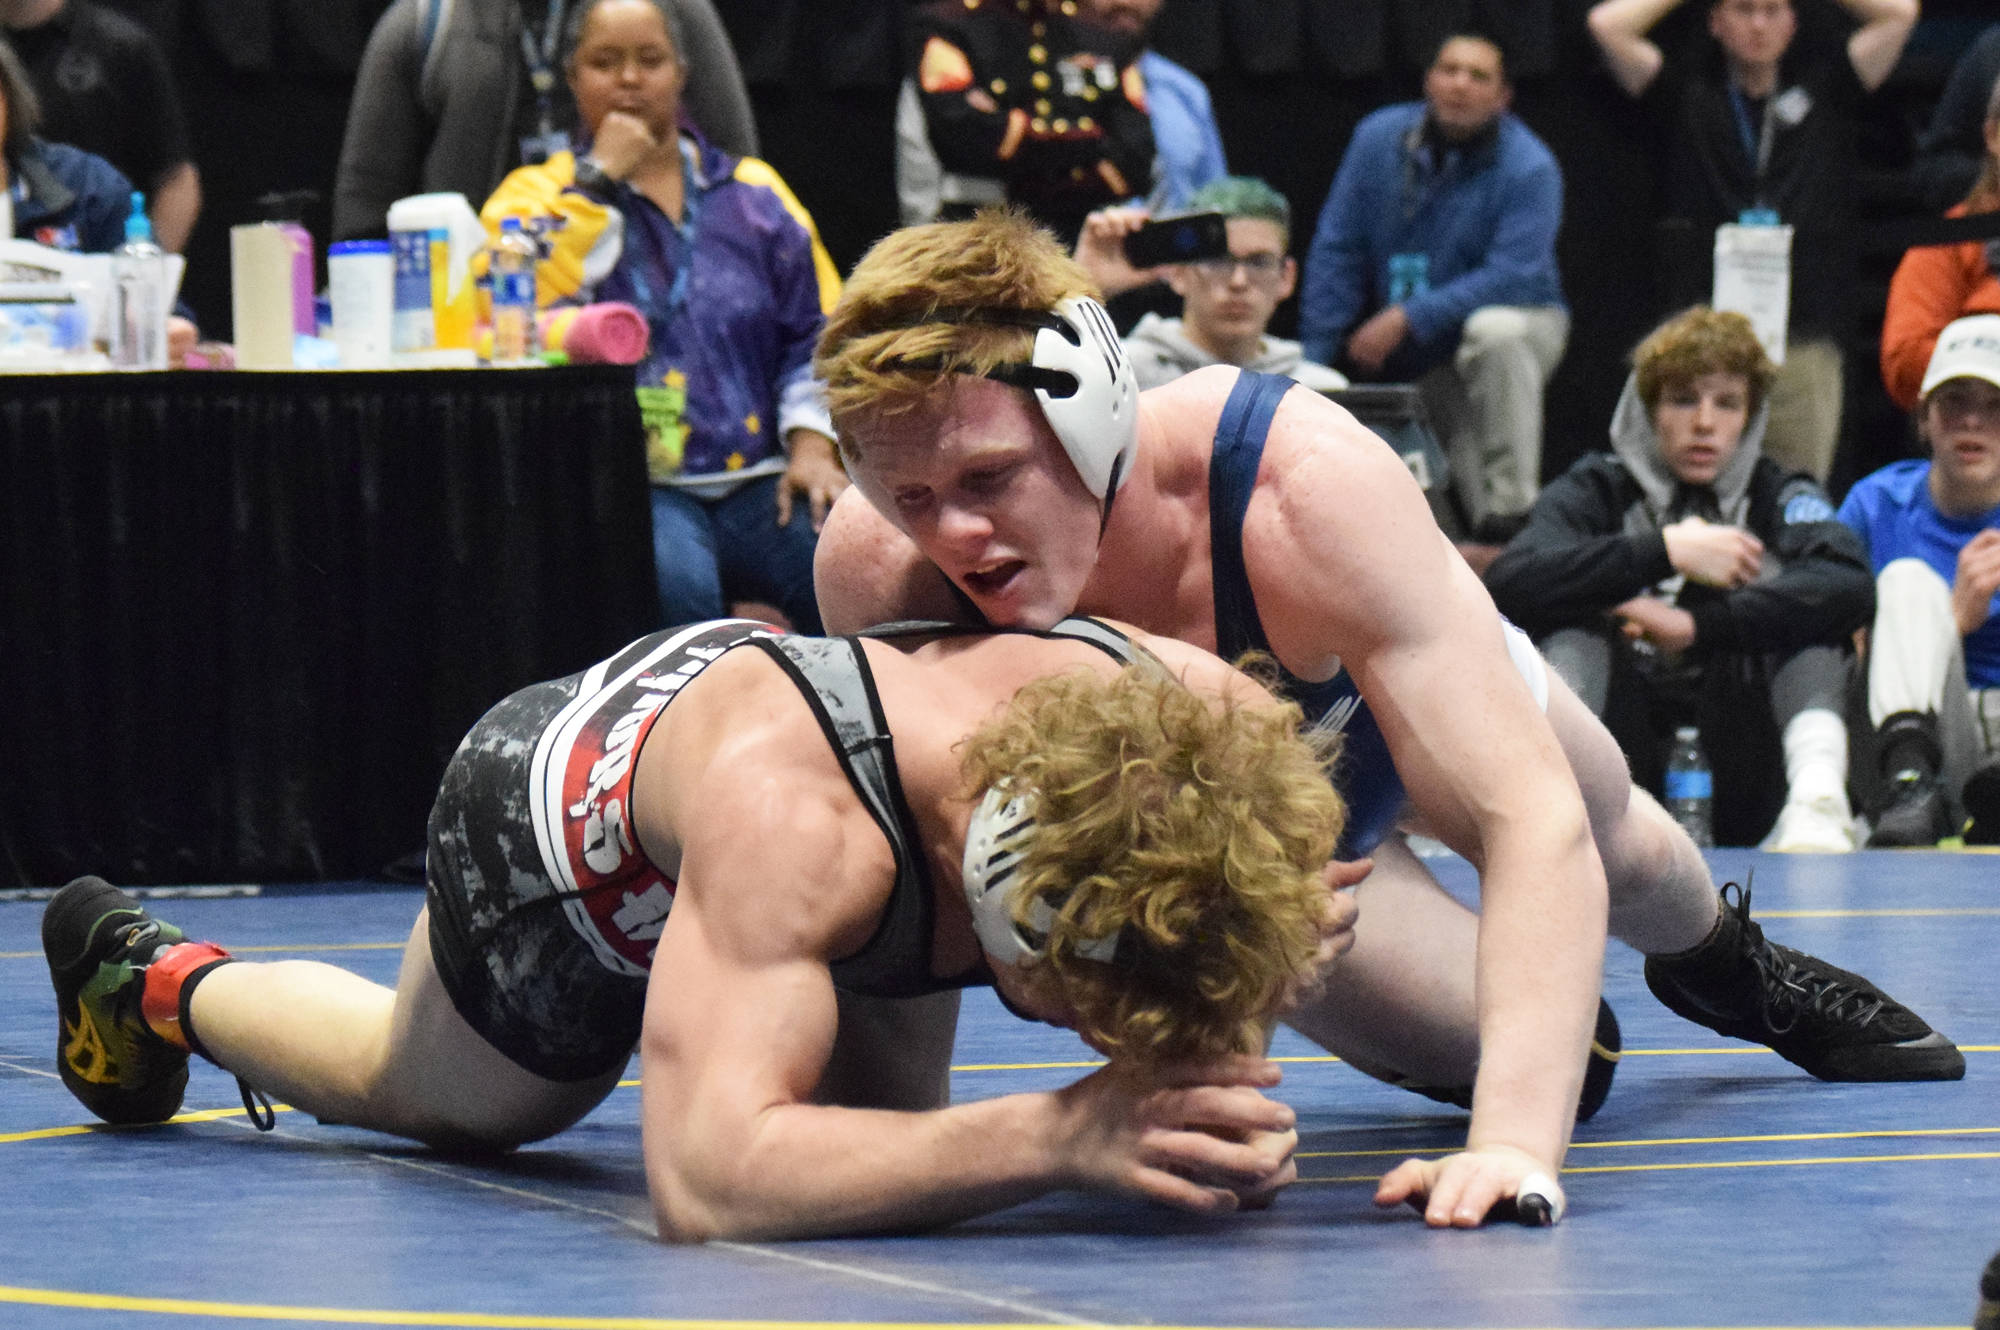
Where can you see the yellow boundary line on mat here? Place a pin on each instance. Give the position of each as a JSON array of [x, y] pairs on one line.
[[1694, 1140], [1683, 1166], [255, 1311]]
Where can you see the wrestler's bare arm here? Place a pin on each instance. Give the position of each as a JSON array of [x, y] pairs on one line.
[[866, 572], [1346, 562], [780, 869]]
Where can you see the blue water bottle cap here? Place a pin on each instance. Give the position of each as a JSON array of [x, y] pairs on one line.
[[137, 225]]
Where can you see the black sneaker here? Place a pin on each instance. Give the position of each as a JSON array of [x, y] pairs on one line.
[[1981, 795], [1836, 1025], [1914, 815], [98, 941], [1606, 1047]]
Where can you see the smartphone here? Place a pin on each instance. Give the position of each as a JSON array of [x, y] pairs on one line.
[[1200, 235]]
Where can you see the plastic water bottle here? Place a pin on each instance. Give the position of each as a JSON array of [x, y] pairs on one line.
[[138, 295], [1691, 787], [511, 266]]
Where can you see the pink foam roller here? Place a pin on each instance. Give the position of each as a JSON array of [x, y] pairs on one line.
[[610, 333]]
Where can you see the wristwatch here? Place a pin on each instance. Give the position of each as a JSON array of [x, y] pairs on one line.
[[591, 177]]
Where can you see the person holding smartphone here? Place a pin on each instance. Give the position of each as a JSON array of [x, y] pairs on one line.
[[1227, 299]]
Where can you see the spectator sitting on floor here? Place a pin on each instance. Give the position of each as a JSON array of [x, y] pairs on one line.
[[1435, 260], [1932, 530], [730, 274], [446, 100], [1687, 566], [1935, 284], [1227, 302]]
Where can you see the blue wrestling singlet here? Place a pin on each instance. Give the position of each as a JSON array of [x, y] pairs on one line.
[[1365, 774]]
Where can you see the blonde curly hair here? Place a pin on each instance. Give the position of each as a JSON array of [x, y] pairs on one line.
[[876, 354], [1699, 341], [1195, 830]]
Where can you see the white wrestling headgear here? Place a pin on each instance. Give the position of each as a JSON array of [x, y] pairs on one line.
[[1098, 422], [1081, 377], [1001, 828]]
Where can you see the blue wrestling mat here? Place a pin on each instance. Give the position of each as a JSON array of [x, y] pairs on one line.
[[1720, 1186]]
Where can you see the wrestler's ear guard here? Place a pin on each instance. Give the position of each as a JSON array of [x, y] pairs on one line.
[[1098, 421], [1002, 827]]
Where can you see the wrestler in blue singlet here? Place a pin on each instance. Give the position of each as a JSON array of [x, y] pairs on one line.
[[1365, 774]]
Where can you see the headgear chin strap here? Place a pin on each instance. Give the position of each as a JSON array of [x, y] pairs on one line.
[[1079, 375], [1001, 829]]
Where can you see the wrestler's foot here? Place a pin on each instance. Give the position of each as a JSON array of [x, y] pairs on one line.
[[99, 941], [1606, 1047], [1836, 1025]]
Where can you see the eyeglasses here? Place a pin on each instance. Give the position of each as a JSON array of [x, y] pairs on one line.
[[1261, 268]]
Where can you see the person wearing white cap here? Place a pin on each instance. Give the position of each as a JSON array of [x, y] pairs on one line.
[[1933, 533]]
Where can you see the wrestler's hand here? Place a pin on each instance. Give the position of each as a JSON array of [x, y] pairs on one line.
[[622, 142], [813, 471], [1713, 555], [1100, 249], [1337, 924], [1977, 579], [1460, 1190], [1196, 1136]]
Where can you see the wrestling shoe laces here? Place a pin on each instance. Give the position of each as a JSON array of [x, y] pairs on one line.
[[98, 942], [1832, 1022]]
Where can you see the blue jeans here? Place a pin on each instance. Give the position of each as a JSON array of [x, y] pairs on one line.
[[710, 553]]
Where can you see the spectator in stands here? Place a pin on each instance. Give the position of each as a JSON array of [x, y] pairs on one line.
[[104, 87], [452, 94], [1951, 151], [734, 283], [1932, 530], [1017, 101], [56, 195], [1227, 302], [1760, 130], [1185, 137], [1689, 567], [1935, 284], [1435, 260]]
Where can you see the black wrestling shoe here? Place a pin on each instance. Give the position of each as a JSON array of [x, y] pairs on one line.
[[1606, 1047], [1981, 795], [1836, 1025], [1914, 814], [98, 941]]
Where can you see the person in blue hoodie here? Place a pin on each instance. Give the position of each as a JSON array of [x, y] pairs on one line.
[[1434, 261], [59, 196]]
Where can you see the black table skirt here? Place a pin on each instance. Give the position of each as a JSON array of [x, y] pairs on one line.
[[247, 617]]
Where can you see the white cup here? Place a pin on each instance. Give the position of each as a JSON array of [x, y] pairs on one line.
[[360, 277]]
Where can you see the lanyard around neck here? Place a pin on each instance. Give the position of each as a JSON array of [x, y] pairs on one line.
[[540, 59], [1757, 142]]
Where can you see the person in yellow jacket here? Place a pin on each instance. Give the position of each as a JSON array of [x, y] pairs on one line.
[[730, 274]]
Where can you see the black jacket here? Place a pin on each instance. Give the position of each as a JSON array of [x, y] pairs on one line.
[[1593, 541]]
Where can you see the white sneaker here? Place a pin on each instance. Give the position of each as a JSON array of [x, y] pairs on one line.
[[1823, 825]]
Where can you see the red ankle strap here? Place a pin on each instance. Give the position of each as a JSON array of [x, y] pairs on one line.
[[166, 975]]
